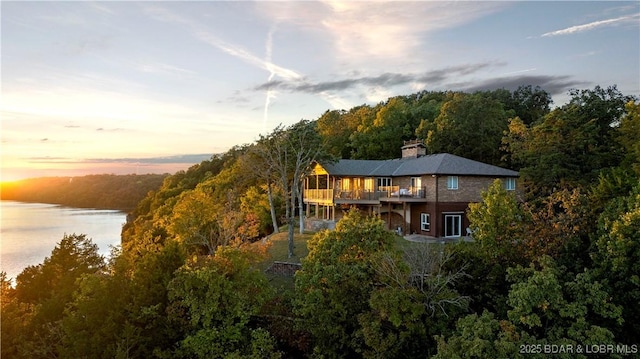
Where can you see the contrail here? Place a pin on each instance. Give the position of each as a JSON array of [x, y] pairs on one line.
[[272, 72]]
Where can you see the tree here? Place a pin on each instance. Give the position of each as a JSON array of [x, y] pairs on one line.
[[290, 153], [383, 137], [571, 144], [469, 125], [413, 300], [46, 289], [547, 307], [530, 103], [336, 280], [214, 298], [497, 224], [616, 255], [629, 135]]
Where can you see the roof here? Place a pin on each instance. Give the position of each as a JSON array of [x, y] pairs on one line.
[[436, 164]]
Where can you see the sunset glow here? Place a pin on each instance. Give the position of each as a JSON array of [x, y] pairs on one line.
[[155, 87]]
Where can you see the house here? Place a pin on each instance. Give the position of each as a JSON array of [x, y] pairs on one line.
[[418, 193]]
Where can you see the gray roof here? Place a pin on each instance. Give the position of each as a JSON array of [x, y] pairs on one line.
[[436, 164]]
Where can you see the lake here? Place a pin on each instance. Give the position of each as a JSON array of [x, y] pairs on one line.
[[30, 231]]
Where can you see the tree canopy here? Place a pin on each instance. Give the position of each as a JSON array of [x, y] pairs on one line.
[[557, 266]]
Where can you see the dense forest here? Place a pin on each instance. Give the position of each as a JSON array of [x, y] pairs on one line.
[[122, 192], [557, 273]]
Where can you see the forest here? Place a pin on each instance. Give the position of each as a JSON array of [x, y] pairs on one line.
[[108, 191], [556, 274]]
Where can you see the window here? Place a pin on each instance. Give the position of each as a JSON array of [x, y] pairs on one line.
[[510, 184], [384, 182], [452, 182], [425, 222], [368, 184], [452, 225], [345, 184]]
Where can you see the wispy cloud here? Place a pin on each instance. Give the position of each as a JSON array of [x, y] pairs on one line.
[[362, 30], [594, 25], [162, 68], [203, 33]]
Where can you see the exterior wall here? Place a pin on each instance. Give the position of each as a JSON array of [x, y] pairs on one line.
[[450, 208], [469, 189], [407, 214], [416, 211]]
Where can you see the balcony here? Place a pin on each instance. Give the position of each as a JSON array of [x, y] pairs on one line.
[[386, 193], [321, 196], [400, 194]]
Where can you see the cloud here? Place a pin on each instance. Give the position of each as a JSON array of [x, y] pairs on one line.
[[633, 19], [203, 33], [166, 69], [388, 79], [188, 158], [555, 85], [360, 30]]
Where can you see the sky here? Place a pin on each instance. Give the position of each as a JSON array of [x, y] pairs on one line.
[[157, 86]]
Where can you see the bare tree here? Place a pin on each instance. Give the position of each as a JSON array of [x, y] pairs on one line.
[[422, 267], [290, 153], [259, 161]]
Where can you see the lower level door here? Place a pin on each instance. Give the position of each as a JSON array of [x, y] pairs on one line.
[[452, 225]]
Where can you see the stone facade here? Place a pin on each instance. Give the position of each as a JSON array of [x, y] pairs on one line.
[[286, 269]]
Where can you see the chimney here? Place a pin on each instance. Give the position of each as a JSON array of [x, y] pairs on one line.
[[413, 149]]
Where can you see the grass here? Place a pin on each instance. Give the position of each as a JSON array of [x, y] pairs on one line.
[[279, 248], [279, 251]]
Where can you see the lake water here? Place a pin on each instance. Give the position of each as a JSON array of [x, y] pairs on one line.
[[30, 231]]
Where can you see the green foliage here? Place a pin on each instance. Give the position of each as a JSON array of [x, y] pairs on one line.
[[617, 257], [336, 279], [41, 294], [561, 268], [629, 135], [414, 300], [571, 144], [481, 336], [496, 224], [215, 298], [469, 125], [547, 307], [384, 137]]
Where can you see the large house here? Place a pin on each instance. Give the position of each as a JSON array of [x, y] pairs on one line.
[[418, 193]]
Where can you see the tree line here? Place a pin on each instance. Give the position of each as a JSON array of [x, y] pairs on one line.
[[106, 191], [559, 268]]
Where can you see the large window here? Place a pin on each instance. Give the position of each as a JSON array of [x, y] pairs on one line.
[[452, 182], [345, 184], [416, 182], [368, 184], [384, 182], [510, 184], [452, 225], [425, 222]]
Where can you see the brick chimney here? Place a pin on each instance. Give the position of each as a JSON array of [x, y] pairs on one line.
[[413, 149]]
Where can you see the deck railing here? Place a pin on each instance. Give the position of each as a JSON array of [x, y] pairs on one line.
[[324, 195], [327, 195], [404, 192]]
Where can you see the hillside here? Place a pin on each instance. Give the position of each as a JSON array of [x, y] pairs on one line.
[[122, 192]]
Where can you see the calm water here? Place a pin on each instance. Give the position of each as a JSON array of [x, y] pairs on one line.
[[30, 231]]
